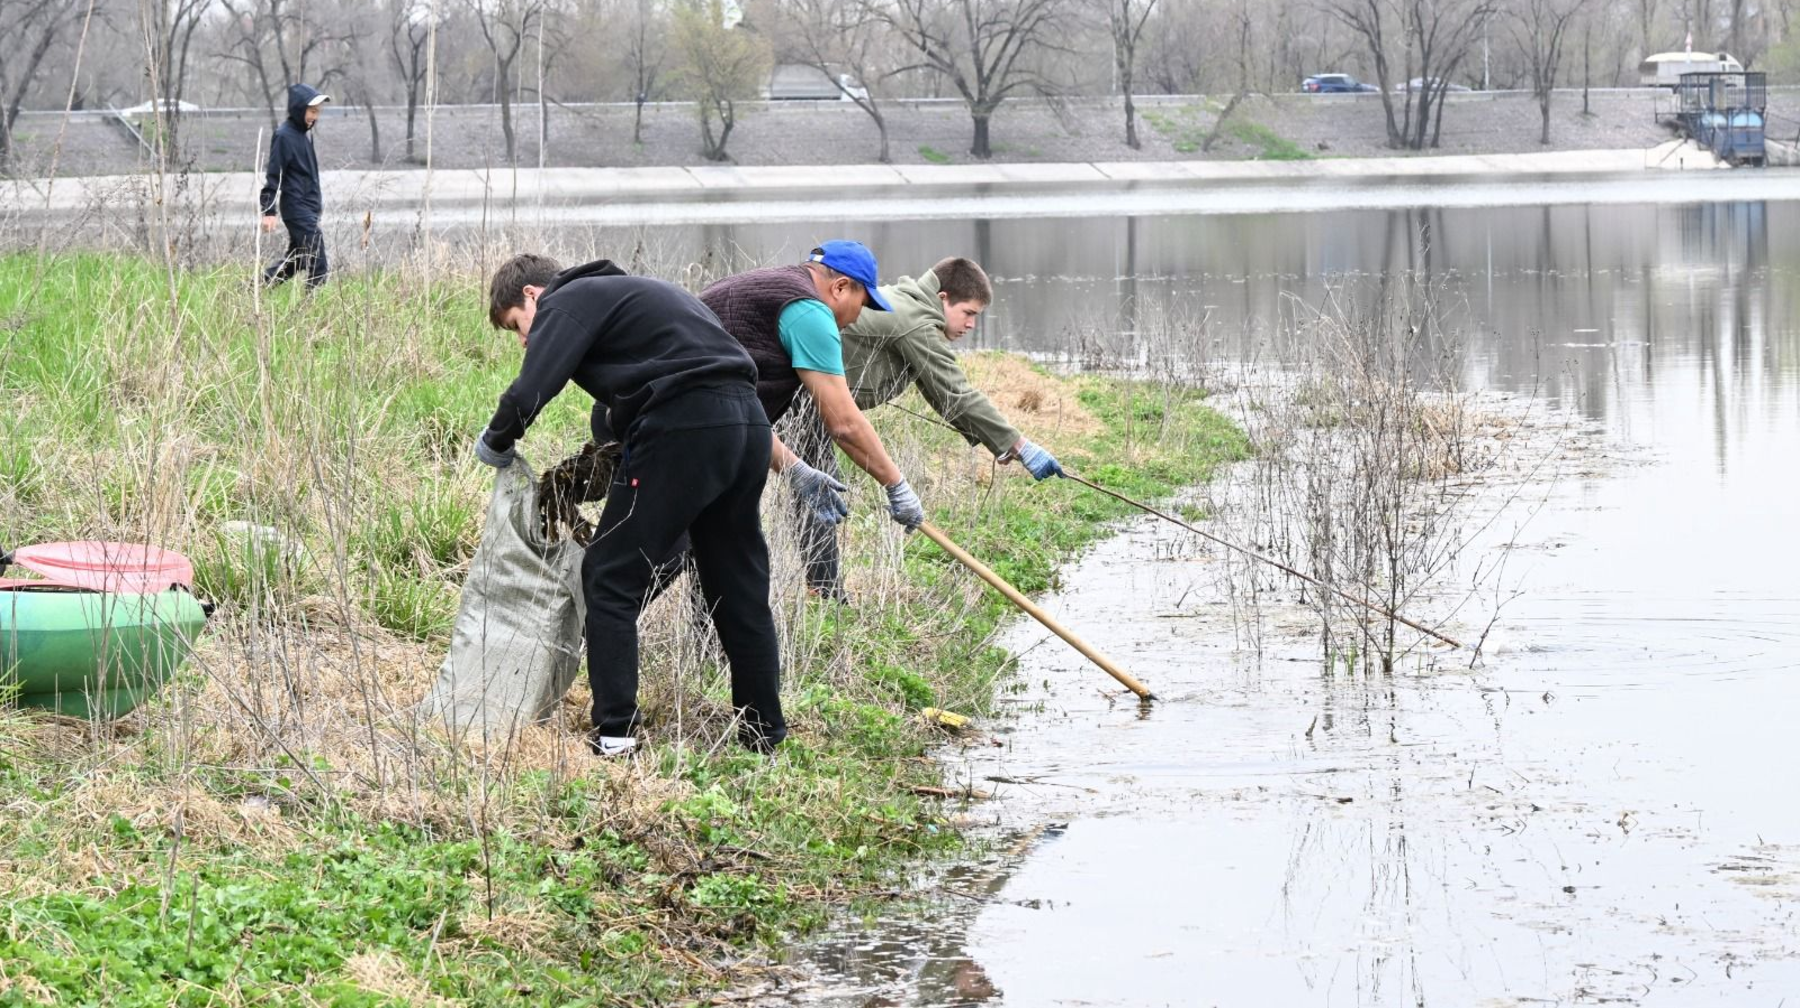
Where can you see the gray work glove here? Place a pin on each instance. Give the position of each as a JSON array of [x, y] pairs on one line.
[[488, 456], [820, 493], [904, 505], [1041, 464]]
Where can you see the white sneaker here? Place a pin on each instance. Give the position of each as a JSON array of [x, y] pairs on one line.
[[611, 745]]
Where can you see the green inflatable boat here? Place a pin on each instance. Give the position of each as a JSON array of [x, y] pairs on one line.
[[94, 637]]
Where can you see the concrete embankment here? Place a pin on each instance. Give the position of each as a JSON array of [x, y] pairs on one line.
[[919, 132], [626, 195]]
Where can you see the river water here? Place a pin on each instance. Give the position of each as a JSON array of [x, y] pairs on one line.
[[1603, 810]]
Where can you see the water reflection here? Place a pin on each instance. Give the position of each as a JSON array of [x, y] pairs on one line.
[[1580, 304]]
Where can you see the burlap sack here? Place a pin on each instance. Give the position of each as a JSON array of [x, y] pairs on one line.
[[516, 646]]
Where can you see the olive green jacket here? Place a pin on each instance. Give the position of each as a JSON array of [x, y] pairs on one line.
[[884, 352]]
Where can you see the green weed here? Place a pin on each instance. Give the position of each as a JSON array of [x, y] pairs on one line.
[[1181, 125], [422, 609], [1272, 146], [251, 570]]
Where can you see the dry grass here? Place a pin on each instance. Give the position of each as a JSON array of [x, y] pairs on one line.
[[1044, 407], [527, 931], [383, 973], [310, 704], [22, 987]]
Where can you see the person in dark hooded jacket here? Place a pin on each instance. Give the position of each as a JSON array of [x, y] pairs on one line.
[[292, 185], [680, 395]]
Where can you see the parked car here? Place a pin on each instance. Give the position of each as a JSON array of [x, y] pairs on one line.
[[1419, 83], [1334, 83]]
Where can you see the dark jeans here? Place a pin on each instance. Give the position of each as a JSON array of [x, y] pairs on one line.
[[694, 468], [305, 251], [804, 432]]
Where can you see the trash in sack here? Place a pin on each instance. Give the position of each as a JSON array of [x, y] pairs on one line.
[[582, 478], [516, 645]]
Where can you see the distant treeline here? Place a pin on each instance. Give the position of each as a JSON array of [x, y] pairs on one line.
[[408, 53]]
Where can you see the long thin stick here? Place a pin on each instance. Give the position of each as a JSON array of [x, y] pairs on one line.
[[1365, 603], [1031, 609]]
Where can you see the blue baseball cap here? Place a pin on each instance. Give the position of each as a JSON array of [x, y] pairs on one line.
[[854, 261]]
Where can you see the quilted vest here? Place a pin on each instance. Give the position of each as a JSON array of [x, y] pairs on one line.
[[749, 307]]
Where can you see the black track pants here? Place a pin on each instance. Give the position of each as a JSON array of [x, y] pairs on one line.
[[305, 251], [696, 466]]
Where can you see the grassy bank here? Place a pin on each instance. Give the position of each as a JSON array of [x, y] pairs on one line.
[[276, 829]]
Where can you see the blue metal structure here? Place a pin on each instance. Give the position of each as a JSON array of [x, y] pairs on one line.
[[1726, 113]]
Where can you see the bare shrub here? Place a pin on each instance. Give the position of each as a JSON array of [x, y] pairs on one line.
[[1362, 446]]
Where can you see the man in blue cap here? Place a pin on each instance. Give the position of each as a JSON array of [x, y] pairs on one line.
[[791, 320]]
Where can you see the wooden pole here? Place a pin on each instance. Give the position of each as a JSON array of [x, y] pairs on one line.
[[1031, 609]]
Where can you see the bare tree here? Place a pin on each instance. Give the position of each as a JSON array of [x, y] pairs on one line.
[[1375, 22], [1241, 24], [721, 66], [1749, 35], [361, 71], [284, 42], [1700, 18], [409, 33], [1587, 63], [551, 47], [1178, 56], [1126, 18], [28, 29], [169, 27], [1647, 10], [1433, 38], [244, 42], [1206, 46], [645, 52], [989, 50], [1540, 27], [505, 25], [842, 41]]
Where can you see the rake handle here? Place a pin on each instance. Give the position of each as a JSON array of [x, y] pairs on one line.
[[1031, 609]]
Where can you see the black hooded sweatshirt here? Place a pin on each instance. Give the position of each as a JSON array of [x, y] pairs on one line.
[[634, 344], [293, 165]]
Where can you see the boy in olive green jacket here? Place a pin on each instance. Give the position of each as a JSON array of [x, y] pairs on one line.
[[884, 353]]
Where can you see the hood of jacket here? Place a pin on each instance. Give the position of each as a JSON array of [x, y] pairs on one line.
[[915, 303], [597, 268], [298, 97]]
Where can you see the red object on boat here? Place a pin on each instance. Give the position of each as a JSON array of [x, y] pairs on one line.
[[103, 567]]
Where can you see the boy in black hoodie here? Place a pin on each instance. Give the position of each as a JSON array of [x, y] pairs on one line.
[[680, 395], [293, 173]]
